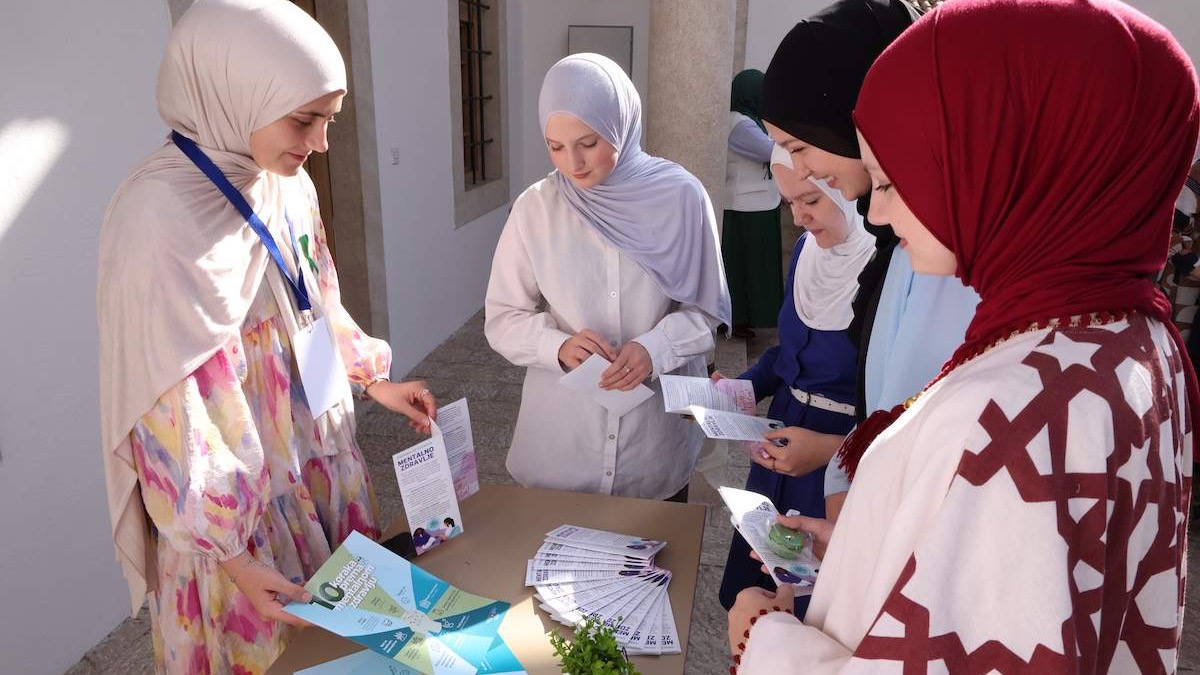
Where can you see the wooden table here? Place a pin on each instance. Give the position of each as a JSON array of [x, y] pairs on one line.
[[503, 527]]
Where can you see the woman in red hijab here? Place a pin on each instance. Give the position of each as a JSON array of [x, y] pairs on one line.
[[1027, 512]]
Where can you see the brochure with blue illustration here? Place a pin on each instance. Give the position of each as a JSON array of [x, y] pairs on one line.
[[427, 488], [376, 598], [365, 662], [753, 515]]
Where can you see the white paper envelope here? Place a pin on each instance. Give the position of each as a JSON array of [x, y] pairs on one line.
[[586, 380]]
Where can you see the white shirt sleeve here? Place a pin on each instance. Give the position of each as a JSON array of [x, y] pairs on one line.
[[747, 140], [678, 338], [518, 326], [780, 643]]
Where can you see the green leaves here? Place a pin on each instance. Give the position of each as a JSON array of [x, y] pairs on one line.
[[594, 651]]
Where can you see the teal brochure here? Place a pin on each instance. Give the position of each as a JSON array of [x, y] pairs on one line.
[[365, 662], [376, 598]]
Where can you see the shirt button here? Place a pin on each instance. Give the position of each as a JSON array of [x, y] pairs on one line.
[[607, 473], [611, 343], [612, 294], [612, 437]]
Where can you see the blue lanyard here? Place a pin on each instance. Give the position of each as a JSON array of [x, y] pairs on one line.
[[231, 193]]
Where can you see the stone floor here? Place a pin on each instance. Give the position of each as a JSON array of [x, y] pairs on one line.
[[464, 365]]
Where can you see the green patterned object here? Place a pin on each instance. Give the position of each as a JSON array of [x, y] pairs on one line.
[[312, 264], [786, 542]]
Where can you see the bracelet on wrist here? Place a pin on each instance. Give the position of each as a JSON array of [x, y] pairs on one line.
[[368, 385]]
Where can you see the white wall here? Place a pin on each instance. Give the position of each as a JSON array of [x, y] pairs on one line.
[[770, 20], [1179, 17], [537, 38], [437, 274], [85, 74]]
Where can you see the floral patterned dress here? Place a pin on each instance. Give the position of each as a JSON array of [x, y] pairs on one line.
[[230, 459]]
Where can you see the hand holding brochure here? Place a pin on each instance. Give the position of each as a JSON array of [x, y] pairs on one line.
[[753, 515], [680, 392], [585, 379], [723, 409], [733, 426], [376, 598]]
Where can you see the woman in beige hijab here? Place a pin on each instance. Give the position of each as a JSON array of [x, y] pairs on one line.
[[213, 422]]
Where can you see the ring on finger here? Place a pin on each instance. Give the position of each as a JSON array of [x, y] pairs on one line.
[[628, 369], [424, 392]]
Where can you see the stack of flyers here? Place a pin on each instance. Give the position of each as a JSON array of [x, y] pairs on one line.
[[580, 573], [753, 515]]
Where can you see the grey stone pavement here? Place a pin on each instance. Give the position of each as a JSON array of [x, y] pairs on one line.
[[464, 365]]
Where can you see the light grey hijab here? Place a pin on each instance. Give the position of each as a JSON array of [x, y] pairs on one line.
[[651, 209]]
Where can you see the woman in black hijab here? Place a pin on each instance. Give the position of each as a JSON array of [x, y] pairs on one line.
[[809, 92]]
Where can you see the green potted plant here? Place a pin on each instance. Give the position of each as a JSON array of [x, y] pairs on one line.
[[593, 652]]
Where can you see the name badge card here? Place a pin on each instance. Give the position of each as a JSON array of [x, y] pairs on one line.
[[321, 370]]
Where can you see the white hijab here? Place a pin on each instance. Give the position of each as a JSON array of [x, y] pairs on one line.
[[178, 266], [651, 209], [826, 279]]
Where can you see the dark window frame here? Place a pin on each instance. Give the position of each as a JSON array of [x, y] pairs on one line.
[[477, 134]]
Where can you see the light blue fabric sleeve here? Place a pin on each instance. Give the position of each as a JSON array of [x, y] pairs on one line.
[[920, 321], [836, 480], [747, 140]]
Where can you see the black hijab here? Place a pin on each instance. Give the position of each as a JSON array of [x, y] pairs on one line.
[[812, 83], [809, 91], [746, 95]]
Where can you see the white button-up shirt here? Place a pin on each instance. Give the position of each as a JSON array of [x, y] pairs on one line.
[[554, 275]]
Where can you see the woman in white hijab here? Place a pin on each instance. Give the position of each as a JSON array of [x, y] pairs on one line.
[[216, 293], [810, 374], [614, 254]]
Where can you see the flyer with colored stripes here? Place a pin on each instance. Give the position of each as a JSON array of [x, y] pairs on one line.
[[376, 598]]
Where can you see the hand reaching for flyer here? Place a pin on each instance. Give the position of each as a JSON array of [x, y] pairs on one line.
[[411, 399], [802, 450], [266, 589]]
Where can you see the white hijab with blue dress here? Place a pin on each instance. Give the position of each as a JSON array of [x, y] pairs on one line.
[[826, 279]]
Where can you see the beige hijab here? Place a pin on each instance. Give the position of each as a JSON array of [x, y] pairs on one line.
[[178, 266]]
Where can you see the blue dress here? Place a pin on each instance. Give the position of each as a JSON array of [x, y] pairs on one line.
[[817, 361]]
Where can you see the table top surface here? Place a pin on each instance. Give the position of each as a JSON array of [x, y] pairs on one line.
[[502, 528]]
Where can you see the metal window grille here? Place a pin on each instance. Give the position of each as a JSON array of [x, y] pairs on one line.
[[476, 90]]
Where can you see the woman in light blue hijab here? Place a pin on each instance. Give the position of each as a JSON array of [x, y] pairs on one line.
[[614, 255]]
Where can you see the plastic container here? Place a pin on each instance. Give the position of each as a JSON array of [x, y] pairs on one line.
[[786, 542]]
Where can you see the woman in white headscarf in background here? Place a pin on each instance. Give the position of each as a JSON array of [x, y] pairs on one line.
[[810, 374], [249, 480], [615, 254]]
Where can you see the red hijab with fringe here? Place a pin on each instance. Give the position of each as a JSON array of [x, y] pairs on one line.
[[1044, 143]]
